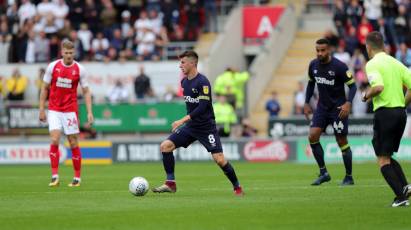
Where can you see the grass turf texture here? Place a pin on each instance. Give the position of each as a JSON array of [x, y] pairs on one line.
[[277, 196]]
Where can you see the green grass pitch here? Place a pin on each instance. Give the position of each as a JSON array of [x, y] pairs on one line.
[[278, 196]]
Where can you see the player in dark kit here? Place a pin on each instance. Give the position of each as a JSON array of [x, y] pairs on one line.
[[333, 107], [199, 124]]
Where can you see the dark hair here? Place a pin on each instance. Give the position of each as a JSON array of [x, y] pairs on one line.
[[322, 41], [189, 54], [375, 40]]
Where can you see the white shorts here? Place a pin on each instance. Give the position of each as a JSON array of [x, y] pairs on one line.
[[66, 121]]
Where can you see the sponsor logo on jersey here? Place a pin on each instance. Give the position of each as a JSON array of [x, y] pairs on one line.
[[325, 81], [64, 82], [191, 100]]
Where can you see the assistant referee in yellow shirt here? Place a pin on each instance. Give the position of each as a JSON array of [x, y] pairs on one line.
[[387, 77]]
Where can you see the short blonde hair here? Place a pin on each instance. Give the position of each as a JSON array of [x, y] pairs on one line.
[[67, 44]]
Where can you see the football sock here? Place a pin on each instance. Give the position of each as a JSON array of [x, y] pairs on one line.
[[54, 159], [168, 163], [230, 173], [347, 158], [398, 170], [391, 177], [318, 153], [76, 158]]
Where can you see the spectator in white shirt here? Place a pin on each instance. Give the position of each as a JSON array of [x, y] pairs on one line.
[[39, 23], [42, 46], [125, 23], [299, 99], [118, 94], [156, 21], [30, 49], [85, 36], [60, 12], [146, 44], [50, 27], [342, 55], [373, 12], [4, 49], [142, 22], [26, 11], [100, 46], [45, 7]]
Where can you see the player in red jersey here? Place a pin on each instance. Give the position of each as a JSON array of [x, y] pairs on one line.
[[60, 83]]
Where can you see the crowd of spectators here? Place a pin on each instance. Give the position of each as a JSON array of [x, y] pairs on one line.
[[353, 20], [103, 30]]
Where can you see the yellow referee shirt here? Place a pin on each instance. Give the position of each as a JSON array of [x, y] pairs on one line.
[[384, 70]]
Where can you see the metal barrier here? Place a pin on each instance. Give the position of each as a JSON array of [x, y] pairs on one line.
[[173, 49]]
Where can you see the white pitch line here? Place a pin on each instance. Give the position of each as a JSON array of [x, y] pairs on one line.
[[299, 187], [276, 188]]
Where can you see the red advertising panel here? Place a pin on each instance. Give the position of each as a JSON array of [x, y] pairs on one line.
[[258, 22], [261, 151]]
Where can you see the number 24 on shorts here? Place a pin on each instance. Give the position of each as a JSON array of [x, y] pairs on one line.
[[71, 122]]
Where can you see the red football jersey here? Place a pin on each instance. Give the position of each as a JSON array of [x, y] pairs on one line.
[[63, 82]]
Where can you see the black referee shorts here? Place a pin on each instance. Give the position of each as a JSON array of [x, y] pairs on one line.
[[389, 125]]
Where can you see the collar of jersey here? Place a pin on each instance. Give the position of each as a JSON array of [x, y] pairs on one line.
[[62, 62]]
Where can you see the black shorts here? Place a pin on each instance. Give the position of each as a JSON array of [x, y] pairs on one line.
[[322, 119], [208, 137], [389, 125]]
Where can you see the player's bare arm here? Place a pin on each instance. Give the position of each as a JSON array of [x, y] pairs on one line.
[[309, 93], [407, 98], [307, 111], [180, 122], [87, 98], [345, 109], [42, 104], [372, 92]]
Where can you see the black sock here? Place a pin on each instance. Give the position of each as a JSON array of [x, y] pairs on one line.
[[168, 163], [391, 177], [230, 173], [347, 158], [398, 170], [318, 153]]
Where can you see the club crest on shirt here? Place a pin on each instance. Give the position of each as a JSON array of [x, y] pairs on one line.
[[205, 89], [349, 74], [194, 90], [74, 72], [331, 73]]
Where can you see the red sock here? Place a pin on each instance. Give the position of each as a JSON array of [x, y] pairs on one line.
[[54, 159], [76, 158]]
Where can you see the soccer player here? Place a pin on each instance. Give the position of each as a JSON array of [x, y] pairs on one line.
[[387, 76], [199, 124], [333, 107], [60, 83]]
